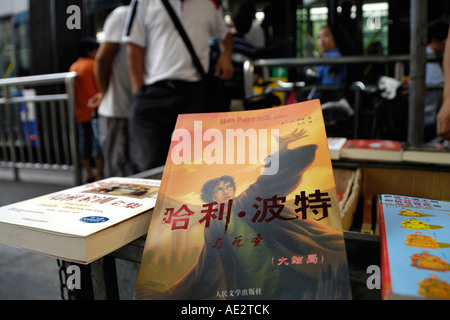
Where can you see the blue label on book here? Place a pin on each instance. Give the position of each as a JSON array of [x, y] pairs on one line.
[[94, 219]]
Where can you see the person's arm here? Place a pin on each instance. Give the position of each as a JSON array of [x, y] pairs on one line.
[[443, 117], [102, 71], [224, 67], [103, 64], [135, 62]]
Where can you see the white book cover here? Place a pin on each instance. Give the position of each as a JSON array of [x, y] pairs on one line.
[[335, 145], [85, 209]]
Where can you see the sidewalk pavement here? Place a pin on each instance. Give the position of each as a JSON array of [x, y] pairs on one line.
[[25, 275]]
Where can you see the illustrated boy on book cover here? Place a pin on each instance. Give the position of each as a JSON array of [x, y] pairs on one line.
[[229, 231]]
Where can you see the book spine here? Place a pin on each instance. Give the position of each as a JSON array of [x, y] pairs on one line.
[[386, 284], [366, 226]]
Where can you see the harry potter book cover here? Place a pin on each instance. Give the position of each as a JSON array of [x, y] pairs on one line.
[[247, 209]]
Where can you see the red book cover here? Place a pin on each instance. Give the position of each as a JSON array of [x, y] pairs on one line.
[[377, 150], [389, 145]]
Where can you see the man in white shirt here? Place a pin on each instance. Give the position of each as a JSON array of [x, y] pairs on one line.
[[114, 94], [163, 77]]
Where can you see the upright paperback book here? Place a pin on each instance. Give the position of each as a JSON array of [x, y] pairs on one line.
[[415, 247], [247, 209]]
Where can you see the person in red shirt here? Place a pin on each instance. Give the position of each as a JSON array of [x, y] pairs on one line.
[[85, 87]]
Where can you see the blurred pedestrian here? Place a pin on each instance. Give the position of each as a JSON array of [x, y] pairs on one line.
[[434, 75], [443, 117], [114, 95], [244, 50], [255, 35], [330, 74], [164, 79], [86, 87]]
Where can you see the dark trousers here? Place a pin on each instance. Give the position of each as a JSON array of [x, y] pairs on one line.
[[154, 111]]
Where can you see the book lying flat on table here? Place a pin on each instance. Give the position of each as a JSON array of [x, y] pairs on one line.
[[335, 145], [247, 209], [83, 223], [372, 150], [415, 247], [432, 152]]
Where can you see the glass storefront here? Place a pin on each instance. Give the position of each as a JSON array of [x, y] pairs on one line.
[[14, 46]]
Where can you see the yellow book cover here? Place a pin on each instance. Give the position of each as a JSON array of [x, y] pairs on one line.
[[247, 209]]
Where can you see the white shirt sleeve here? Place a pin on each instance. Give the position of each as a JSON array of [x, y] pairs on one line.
[[114, 26], [220, 29], [135, 30]]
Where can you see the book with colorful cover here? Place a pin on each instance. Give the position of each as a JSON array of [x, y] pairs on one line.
[[82, 223], [247, 210], [372, 149], [415, 247]]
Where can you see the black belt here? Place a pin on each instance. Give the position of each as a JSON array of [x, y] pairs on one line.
[[174, 84]]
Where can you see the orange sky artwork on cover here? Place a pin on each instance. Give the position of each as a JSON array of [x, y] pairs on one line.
[[195, 175]]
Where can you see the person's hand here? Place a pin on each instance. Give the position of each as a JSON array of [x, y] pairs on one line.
[[293, 136], [224, 68], [94, 101], [443, 120]]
